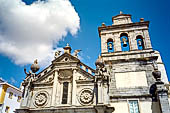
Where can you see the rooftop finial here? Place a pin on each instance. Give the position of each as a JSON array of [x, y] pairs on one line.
[[67, 49], [121, 12], [68, 45], [103, 24]]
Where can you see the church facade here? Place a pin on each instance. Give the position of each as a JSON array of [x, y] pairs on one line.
[[130, 76]]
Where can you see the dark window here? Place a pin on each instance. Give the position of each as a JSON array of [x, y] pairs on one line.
[[140, 43], [110, 45], [124, 42], [65, 93]]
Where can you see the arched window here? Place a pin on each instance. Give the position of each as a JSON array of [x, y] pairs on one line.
[[124, 42], [140, 43], [110, 46], [65, 93]]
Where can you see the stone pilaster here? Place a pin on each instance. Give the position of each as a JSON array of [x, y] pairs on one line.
[[69, 100], [103, 44], [132, 41], [74, 87], [147, 41], [55, 83], [100, 93], [117, 43]]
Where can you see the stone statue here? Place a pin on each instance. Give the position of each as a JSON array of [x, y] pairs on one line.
[[31, 74], [76, 52], [57, 53], [101, 69]]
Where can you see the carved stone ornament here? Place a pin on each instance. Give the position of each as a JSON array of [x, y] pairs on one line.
[[65, 75], [66, 59], [86, 97], [48, 79], [41, 99]]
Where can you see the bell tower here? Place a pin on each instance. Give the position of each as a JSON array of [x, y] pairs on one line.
[[124, 35], [127, 52]]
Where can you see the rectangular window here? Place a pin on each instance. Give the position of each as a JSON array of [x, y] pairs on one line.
[[10, 95], [133, 106], [7, 109], [19, 99], [65, 93]]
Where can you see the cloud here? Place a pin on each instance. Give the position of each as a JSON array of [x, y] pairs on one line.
[[29, 32]]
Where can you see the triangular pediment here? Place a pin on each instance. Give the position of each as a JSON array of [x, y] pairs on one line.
[[45, 76], [65, 58], [64, 63]]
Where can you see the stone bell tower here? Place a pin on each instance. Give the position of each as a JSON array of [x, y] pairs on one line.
[[127, 51]]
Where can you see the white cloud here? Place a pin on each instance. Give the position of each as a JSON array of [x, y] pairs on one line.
[[29, 32]]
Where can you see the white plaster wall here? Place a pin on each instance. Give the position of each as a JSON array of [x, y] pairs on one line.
[[120, 107], [12, 103], [131, 79], [145, 107], [0, 89], [161, 68]]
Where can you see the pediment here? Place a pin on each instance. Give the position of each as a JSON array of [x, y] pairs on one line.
[[65, 58], [84, 76], [46, 76]]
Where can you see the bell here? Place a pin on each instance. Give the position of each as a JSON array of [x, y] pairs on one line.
[[124, 42], [140, 43], [110, 46]]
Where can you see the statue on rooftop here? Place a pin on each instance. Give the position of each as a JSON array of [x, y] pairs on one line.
[[57, 53], [76, 52]]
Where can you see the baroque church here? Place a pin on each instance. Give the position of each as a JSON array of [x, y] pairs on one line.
[[130, 76]]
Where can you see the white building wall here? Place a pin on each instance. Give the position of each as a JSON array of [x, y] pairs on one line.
[[0, 89], [12, 103], [144, 107]]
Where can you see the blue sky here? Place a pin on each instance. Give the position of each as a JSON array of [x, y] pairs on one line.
[[94, 12]]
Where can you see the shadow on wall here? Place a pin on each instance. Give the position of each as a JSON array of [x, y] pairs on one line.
[[155, 107]]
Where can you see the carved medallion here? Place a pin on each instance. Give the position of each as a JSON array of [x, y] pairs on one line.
[[65, 75], [86, 96], [41, 98]]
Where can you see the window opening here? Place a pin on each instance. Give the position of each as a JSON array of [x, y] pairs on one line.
[[124, 42], [10, 95], [65, 93], [133, 106], [140, 43], [19, 99], [110, 45], [7, 109]]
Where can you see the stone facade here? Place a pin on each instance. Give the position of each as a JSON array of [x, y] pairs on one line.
[[123, 81]]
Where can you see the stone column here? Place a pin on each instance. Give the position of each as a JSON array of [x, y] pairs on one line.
[[69, 93], [147, 41], [55, 83], [103, 43], [74, 87], [58, 95], [132, 41], [117, 42]]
